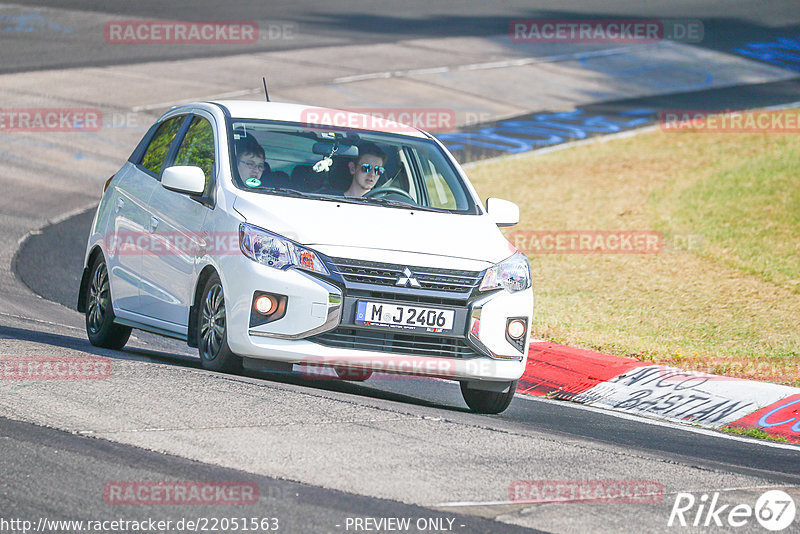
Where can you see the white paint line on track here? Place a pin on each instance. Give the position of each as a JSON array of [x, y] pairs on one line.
[[656, 422], [57, 219], [36, 231], [40, 321], [71, 213], [168, 105], [503, 64], [579, 501], [410, 72], [428, 70], [781, 106]]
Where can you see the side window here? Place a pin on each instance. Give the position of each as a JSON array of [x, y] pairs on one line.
[[153, 158], [401, 176], [197, 149], [440, 194]]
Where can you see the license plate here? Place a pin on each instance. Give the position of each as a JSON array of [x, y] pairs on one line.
[[401, 317]]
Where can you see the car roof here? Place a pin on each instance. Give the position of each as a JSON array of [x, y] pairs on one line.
[[376, 121]]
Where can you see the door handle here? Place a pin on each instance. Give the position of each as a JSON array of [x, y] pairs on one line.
[[203, 242], [153, 224], [120, 205]]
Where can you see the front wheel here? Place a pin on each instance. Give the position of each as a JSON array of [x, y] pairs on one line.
[[100, 327], [212, 330], [489, 402]]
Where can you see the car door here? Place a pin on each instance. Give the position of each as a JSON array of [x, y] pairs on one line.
[[127, 236], [176, 224]]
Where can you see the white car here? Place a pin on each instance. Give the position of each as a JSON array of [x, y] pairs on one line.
[[267, 240]]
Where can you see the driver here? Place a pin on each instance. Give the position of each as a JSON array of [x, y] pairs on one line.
[[366, 170]]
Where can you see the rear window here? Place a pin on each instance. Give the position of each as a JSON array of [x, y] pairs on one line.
[[153, 158]]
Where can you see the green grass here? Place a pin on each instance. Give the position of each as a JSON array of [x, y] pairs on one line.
[[753, 432], [748, 214], [723, 297]]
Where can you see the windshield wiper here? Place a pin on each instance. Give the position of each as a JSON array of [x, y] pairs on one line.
[[287, 192], [387, 202], [353, 200], [299, 194]]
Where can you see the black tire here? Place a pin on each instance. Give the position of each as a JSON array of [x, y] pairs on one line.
[[99, 314], [353, 374], [490, 402], [212, 331]]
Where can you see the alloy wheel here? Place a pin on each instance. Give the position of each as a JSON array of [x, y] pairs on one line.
[[98, 298], [212, 322]]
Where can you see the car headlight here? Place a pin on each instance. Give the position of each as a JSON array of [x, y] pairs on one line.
[[513, 274], [271, 249]]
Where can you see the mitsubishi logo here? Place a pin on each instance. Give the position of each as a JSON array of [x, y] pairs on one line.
[[407, 279]]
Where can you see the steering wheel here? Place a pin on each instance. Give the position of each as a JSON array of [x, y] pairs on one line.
[[385, 191]]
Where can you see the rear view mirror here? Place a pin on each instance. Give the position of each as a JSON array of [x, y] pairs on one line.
[[503, 212], [184, 179]]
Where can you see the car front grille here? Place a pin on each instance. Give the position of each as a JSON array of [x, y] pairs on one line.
[[414, 344], [409, 299], [388, 274]]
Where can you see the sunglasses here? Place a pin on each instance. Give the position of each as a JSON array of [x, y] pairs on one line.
[[367, 168]]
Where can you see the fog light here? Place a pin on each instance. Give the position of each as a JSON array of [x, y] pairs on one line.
[[267, 308], [265, 304], [516, 328]]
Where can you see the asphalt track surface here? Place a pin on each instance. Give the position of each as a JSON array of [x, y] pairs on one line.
[[73, 37], [42, 467], [83, 463], [39, 256]]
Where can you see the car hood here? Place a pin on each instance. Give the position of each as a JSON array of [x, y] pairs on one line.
[[340, 224]]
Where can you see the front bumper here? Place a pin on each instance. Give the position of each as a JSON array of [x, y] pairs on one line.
[[319, 327]]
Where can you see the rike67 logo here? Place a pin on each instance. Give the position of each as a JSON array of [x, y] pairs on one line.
[[774, 510]]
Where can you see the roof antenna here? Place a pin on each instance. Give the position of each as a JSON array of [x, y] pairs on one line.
[[266, 93]]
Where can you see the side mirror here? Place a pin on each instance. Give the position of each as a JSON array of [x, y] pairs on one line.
[[503, 212], [184, 179]]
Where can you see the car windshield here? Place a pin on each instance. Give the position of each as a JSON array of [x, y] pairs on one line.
[[345, 165]]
